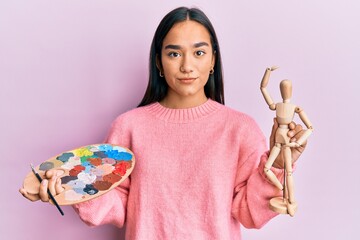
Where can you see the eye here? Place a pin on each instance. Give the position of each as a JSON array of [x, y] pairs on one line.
[[199, 53], [173, 54]]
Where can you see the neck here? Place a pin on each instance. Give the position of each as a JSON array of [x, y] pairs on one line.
[[183, 102]]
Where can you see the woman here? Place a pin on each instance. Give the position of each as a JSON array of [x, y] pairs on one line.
[[199, 171]]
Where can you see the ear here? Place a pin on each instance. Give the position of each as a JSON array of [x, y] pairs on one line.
[[213, 59], [158, 63]]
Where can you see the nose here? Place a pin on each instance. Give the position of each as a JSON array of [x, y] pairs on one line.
[[186, 65]]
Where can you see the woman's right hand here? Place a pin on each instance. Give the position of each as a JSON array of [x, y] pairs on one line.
[[51, 181]]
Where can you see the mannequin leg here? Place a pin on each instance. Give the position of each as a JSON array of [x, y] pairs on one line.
[[269, 174], [289, 181]]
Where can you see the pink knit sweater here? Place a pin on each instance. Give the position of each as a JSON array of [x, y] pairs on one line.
[[198, 175]]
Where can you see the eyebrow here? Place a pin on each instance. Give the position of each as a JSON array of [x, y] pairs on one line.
[[177, 47], [200, 44]]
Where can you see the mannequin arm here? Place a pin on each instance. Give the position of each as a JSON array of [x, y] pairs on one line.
[[263, 89], [307, 123]]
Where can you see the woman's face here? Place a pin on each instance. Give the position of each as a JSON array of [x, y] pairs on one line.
[[187, 59]]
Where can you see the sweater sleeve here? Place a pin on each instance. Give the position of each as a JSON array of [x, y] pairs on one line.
[[253, 190], [109, 208]]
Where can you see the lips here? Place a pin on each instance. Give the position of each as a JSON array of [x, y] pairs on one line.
[[187, 80]]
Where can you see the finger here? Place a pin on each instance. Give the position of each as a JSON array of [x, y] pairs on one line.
[[273, 131], [274, 127], [292, 125], [49, 174], [295, 130], [53, 172], [276, 124], [290, 133], [58, 187], [298, 128], [31, 197], [51, 185], [296, 152], [297, 133], [43, 191]]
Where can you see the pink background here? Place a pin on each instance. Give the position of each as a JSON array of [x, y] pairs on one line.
[[68, 68]]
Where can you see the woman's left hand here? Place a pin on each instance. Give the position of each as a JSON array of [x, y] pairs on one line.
[[295, 132]]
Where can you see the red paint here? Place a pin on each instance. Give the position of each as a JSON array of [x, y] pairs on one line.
[[76, 170], [121, 167]]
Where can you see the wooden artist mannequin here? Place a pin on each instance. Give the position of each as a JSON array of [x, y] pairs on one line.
[[284, 116]]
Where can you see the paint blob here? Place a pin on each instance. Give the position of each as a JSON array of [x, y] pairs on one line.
[[46, 166], [112, 178], [109, 161], [65, 156], [89, 189], [73, 161], [106, 168], [86, 178], [66, 179], [121, 167], [76, 170], [102, 185], [83, 152], [95, 161], [100, 154]]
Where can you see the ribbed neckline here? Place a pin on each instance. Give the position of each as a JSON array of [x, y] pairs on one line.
[[183, 115]]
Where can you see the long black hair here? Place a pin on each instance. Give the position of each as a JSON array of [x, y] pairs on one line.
[[157, 87]]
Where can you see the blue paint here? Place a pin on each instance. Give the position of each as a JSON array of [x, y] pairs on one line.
[[115, 154], [105, 147], [90, 189], [65, 156], [100, 154]]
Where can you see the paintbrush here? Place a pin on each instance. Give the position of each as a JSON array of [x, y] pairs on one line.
[[48, 191]]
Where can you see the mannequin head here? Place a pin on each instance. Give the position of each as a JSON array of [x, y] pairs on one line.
[[286, 89]]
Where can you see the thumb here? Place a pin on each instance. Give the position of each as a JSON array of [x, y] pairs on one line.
[[273, 131]]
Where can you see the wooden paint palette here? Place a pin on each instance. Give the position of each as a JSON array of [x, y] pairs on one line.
[[88, 172]]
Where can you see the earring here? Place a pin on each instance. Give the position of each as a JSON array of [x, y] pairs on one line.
[[161, 74], [212, 71]]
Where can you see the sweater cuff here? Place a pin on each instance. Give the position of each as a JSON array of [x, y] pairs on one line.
[[102, 210]]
